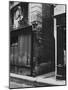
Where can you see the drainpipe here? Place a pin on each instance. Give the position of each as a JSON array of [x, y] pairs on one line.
[[55, 36]]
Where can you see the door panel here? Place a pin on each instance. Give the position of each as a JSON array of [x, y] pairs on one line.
[[61, 46]]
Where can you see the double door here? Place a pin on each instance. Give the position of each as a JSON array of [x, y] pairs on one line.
[[61, 52]]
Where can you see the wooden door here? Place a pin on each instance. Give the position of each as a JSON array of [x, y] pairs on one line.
[[61, 48]]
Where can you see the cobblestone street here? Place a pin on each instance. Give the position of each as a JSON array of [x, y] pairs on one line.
[[19, 83]]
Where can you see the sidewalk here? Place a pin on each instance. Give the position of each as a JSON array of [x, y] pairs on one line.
[[39, 79]]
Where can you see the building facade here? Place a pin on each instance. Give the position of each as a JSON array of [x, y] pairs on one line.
[[33, 38], [60, 40]]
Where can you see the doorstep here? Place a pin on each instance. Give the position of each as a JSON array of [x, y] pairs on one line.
[[40, 79]]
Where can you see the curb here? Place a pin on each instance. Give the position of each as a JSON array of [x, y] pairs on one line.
[[44, 81]]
